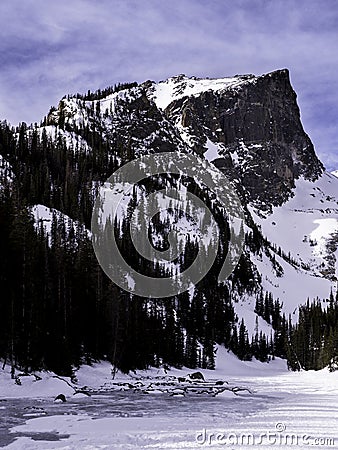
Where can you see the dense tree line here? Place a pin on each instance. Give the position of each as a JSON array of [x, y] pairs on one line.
[[309, 344], [58, 308], [103, 93], [313, 341]]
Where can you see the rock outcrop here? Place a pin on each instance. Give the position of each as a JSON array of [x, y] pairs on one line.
[[256, 124]]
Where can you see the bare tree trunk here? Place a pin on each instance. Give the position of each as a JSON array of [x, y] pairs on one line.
[[12, 340], [117, 317]]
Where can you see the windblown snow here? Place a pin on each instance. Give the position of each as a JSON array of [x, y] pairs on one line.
[[181, 86]]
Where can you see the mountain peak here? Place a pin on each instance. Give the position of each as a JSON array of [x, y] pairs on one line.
[[254, 121], [251, 122], [180, 86]]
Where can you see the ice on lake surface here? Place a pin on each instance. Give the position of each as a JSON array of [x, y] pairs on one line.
[[287, 410]]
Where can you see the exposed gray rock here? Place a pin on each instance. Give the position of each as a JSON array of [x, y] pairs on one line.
[[196, 376], [258, 123]]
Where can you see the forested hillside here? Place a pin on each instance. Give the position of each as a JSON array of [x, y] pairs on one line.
[[59, 310]]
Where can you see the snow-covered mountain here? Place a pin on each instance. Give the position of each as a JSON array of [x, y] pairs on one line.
[[249, 127], [61, 314]]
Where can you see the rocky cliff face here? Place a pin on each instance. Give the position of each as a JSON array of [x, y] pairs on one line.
[[255, 121], [247, 126], [252, 122]]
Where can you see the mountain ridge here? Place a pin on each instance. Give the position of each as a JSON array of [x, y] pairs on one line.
[[154, 117], [248, 127], [274, 129]]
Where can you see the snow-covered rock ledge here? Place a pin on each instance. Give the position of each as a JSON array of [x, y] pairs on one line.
[[98, 378]]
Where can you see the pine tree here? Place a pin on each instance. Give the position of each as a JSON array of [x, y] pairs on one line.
[[243, 351]]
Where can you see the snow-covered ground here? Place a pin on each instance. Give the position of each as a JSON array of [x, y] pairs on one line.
[[276, 408], [303, 224], [306, 229], [213, 151]]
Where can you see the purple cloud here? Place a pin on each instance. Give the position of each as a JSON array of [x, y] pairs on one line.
[[49, 49]]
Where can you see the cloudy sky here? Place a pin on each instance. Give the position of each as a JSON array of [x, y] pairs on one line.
[[51, 48]]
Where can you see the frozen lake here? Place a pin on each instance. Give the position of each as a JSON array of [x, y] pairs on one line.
[[288, 410]]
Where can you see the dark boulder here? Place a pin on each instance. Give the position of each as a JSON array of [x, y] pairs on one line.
[[196, 376], [60, 398]]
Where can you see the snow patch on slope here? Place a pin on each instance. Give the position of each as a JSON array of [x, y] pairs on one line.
[[212, 152], [181, 86], [326, 227], [245, 310], [289, 287], [6, 172], [72, 140], [303, 226], [43, 216], [37, 385]]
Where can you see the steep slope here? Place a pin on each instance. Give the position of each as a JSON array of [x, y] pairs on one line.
[[44, 217], [248, 127], [127, 121]]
